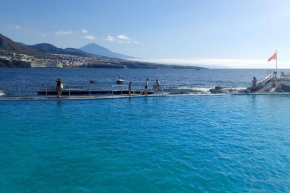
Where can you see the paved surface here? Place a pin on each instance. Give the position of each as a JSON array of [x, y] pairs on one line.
[[72, 97]]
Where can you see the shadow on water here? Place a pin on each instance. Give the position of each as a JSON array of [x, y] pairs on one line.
[[59, 102]]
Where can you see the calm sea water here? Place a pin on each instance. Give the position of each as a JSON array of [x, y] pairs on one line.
[[167, 144], [28, 81]]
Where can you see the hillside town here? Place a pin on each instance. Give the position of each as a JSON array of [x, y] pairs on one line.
[[57, 60]]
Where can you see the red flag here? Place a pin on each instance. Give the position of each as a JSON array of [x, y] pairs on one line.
[[274, 57]]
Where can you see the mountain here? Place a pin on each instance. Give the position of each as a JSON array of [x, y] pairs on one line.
[[23, 44], [99, 50], [8, 45], [44, 49], [46, 52], [48, 48]]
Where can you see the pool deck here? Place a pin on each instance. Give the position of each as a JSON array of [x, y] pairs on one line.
[[72, 97], [44, 98]]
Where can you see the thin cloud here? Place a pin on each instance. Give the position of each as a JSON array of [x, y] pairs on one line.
[[18, 28], [84, 31], [60, 33], [43, 35], [130, 41], [123, 37], [110, 38], [89, 37]]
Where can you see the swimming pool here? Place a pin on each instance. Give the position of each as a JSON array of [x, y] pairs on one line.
[[164, 144]]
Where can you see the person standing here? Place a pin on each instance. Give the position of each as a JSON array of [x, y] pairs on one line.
[[130, 88], [59, 87], [254, 82], [146, 87], [158, 84]]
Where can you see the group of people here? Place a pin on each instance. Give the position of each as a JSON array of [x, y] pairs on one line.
[[157, 85]]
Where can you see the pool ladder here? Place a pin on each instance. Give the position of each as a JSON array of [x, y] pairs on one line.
[[158, 91], [231, 90]]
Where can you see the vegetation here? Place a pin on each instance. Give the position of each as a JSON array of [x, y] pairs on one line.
[[51, 49]]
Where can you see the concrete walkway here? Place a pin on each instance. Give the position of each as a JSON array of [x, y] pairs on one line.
[[72, 97]]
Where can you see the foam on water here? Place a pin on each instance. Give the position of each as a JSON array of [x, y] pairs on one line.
[[199, 90]]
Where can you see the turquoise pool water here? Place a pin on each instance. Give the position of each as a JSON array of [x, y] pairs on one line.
[[169, 144]]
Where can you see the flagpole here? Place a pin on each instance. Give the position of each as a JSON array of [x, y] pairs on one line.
[[276, 61]]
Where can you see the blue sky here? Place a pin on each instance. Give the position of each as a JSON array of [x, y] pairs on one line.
[[238, 34]]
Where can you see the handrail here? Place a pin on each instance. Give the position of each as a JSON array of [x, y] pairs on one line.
[[233, 87], [95, 89], [265, 80], [262, 83], [158, 90], [31, 89]]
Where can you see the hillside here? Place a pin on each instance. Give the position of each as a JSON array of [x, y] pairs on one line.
[[23, 44], [48, 48], [99, 50], [7, 45]]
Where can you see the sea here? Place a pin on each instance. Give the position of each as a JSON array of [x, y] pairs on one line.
[[27, 81], [179, 143]]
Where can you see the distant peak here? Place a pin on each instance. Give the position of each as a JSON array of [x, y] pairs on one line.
[[93, 44], [94, 48]]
